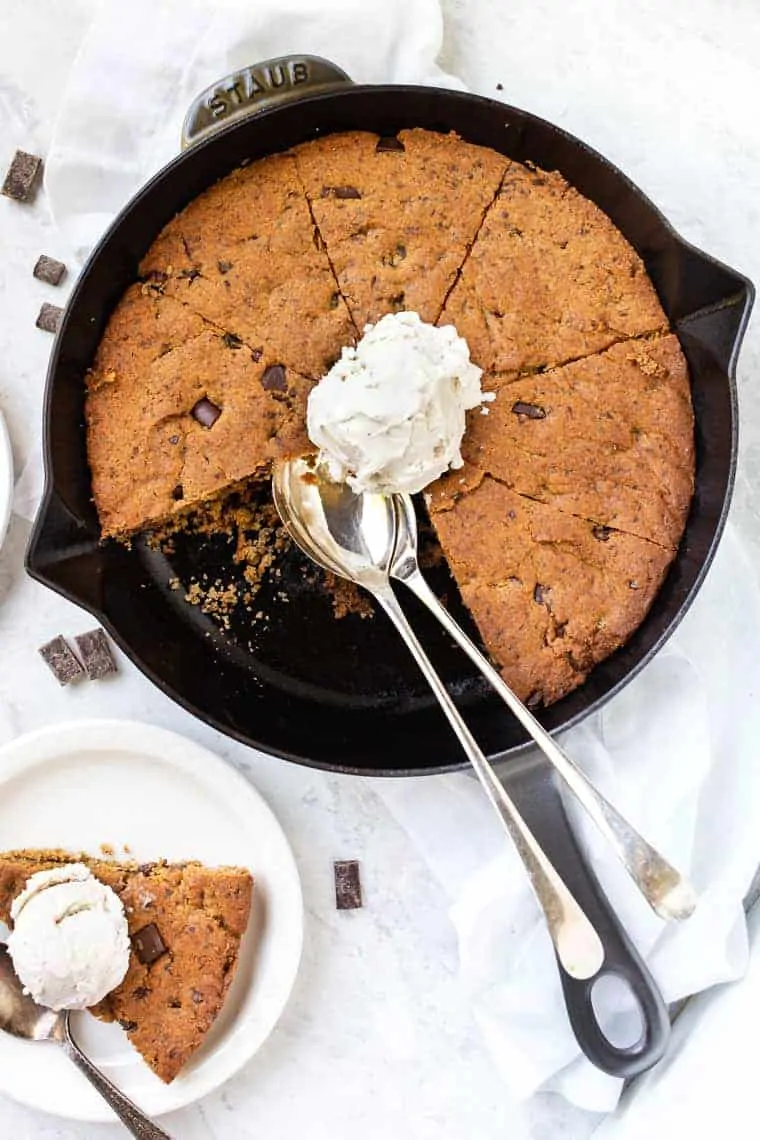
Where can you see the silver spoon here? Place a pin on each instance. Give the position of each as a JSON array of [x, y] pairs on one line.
[[22, 1017], [354, 536], [666, 891]]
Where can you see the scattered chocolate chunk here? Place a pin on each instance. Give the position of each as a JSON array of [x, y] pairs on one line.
[[149, 945], [542, 594], [189, 274], [389, 142], [531, 411], [273, 378], [224, 266], [559, 629], [232, 341], [499, 86], [334, 300], [127, 1026], [256, 354], [61, 661], [206, 412], [602, 533], [49, 270], [197, 997], [49, 318], [140, 993], [348, 887], [95, 654], [22, 176], [178, 493], [174, 439], [342, 192]]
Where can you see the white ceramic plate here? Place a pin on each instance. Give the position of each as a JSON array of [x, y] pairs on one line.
[[88, 783], [6, 479]]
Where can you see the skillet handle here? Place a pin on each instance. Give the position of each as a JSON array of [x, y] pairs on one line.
[[257, 87], [533, 788]]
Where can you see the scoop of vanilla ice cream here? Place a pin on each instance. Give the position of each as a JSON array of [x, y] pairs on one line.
[[70, 942], [389, 416]]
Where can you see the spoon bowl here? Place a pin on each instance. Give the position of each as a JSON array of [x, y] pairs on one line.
[[351, 535], [19, 1013]]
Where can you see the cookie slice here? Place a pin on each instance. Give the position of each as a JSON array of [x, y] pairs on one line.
[[200, 418], [551, 598], [549, 279], [244, 256], [397, 215], [186, 923], [609, 438]]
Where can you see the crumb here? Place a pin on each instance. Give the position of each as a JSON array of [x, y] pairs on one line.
[[108, 850]]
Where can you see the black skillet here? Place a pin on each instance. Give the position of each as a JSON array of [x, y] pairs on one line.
[[344, 695]]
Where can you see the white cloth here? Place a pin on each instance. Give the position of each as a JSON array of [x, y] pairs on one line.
[[707, 1084], [673, 751]]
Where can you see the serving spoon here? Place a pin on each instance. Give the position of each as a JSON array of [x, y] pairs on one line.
[[22, 1017], [664, 888], [354, 536]]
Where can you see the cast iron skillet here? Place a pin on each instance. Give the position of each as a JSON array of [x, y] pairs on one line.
[[345, 696]]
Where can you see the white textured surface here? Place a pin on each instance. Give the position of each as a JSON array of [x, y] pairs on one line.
[[377, 1038]]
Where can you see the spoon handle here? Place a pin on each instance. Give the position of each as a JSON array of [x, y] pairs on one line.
[[577, 944], [667, 892], [128, 1113]]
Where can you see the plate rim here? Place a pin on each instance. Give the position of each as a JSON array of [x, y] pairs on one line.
[[6, 478], [28, 750]]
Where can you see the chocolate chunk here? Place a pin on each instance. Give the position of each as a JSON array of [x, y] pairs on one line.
[[22, 176], [49, 318], [348, 887], [532, 411], [206, 412], [224, 266], [178, 493], [49, 270], [602, 533], [95, 654], [149, 945], [127, 1026], [273, 378], [387, 143], [232, 341], [499, 86], [256, 354], [189, 274], [559, 629], [174, 439], [334, 300], [61, 661], [197, 997], [542, 594], [140, 993], [342, 192], [395, 258]]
